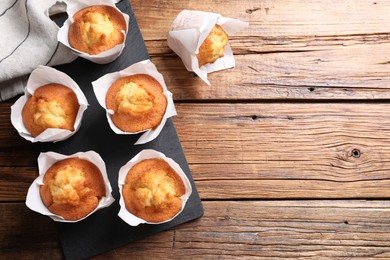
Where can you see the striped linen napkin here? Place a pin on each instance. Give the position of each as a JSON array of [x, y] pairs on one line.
[[28, 39]]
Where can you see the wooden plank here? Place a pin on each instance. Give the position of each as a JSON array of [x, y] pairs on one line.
[[332, 74], [259, 44], [273, 229], [25, 234], [15, 181], [293, 189], [273, 17], [230, 229], [327, 133], [14, 150]]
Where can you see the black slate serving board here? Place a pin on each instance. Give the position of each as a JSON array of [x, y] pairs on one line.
[[104, 230]]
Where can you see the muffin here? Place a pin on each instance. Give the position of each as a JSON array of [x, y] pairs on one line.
[[72, 188], [51, 106], [213, 46], [138, 103], [97, 29], [152, 190]]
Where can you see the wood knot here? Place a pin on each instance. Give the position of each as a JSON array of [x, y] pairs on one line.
[[356, 153], [249, 11]]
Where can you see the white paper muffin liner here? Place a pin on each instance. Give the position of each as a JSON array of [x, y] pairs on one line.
[[45, 161], [124, 214], [43, 75], [190, 29], [101, 86], [73, 6]]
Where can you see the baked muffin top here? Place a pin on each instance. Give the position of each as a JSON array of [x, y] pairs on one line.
[[96, 29], [138, 102], [51, 106], [213, 46], [72, 188], [152, 190]]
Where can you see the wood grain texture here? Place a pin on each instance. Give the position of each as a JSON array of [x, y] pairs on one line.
[[229, 230], [24, 234], [15, 181], [322, 75], [14, 150], [281, 150], [270, 17], [322, 132], [334, 51]]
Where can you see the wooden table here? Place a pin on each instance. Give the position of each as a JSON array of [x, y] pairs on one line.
[[290, 150]]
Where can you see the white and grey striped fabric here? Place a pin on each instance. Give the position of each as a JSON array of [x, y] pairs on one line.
[[28, 38]]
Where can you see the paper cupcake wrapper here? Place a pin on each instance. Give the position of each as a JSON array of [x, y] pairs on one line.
[[101, 86], [73, 6], [124, 214], [190, 29], [43, 75], [45, 161]]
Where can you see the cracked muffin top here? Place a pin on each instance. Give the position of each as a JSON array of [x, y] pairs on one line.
[[51, 106], [97, 29]]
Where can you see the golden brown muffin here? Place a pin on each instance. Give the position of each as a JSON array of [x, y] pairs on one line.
[[138, 103], [51, 106], [213, 46], [72, 188], [96, 29], [152, 191]]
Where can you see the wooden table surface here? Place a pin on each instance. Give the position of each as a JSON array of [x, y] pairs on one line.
[[290, 150]]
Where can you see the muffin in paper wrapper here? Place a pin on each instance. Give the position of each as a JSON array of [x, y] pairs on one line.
[[45, 161], [73, 6], [130, 218], [188, 32], [41, 76], [101, 86]]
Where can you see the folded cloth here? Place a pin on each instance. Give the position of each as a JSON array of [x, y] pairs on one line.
[[29, 39]]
